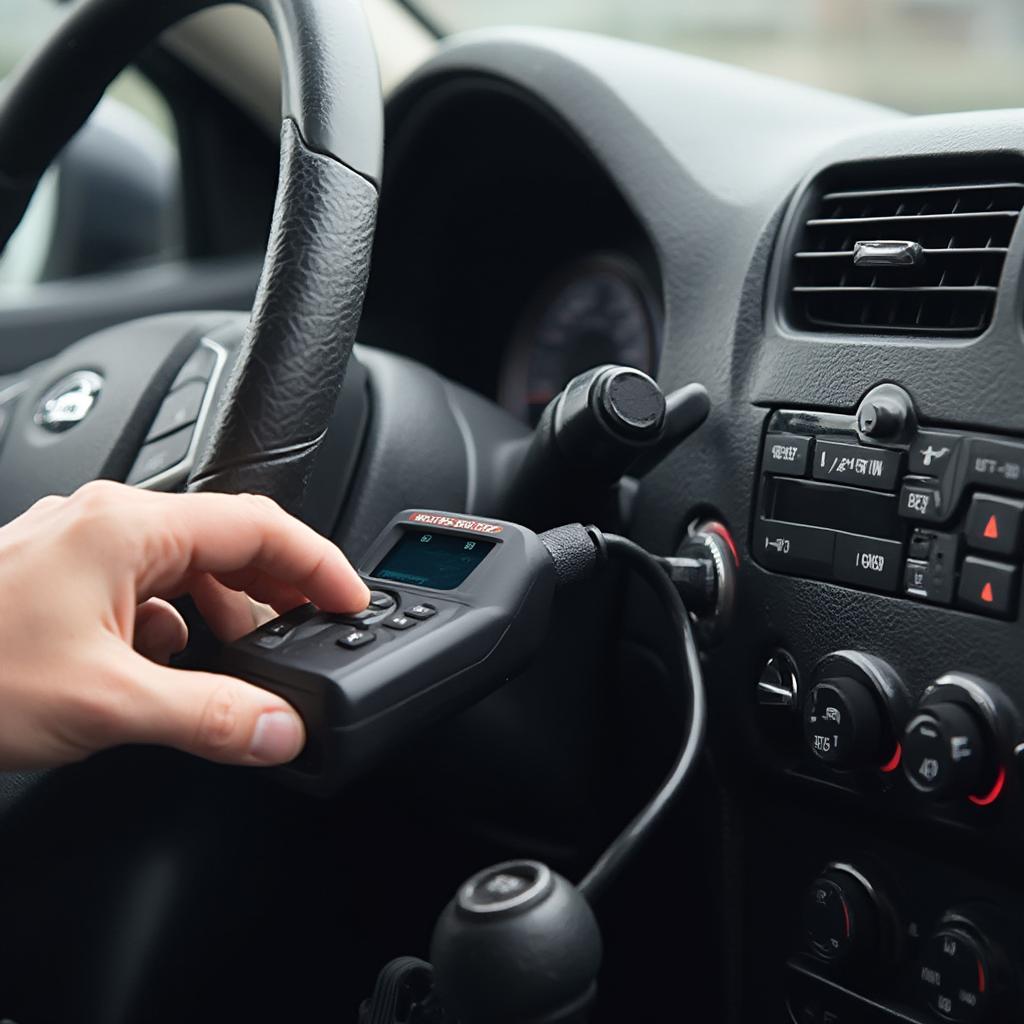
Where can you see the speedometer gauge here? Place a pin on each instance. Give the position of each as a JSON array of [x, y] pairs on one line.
[[597, 310]]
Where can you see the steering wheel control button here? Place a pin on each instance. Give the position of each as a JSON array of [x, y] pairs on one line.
[[997, 464], [956, 976], [400, 622], [922, 500], [421, 611], [840, 917], [180, 409], [68, 401], [994, 524], [795, 549], [843, 724], [873, 468], [381, 601], [988, 587], [198, 367], [159, 456], [932, 454], [355, 638], [868, 562], [945, 752], [786, 454]]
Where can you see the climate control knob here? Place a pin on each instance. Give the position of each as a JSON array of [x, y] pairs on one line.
[[841, 917], [851, 712], [843, 723], [960, 973], [946, 751]]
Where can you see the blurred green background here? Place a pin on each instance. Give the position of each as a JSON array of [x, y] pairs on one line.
[[23, 23], [916, 55]]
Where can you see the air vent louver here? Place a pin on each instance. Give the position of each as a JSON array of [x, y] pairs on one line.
[[948, 286]]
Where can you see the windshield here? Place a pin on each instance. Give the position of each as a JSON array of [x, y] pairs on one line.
[[921, 56]]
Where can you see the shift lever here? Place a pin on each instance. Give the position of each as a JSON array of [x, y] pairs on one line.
[[608, 422], [517, 945]]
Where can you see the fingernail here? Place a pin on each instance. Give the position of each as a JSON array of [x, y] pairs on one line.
[[277, 738]]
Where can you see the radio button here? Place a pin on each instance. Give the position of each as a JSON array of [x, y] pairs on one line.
[[997, 464], [875, 468], [988, 587], [868, 562], [931, 454], [786, 454], [796, 549], [993, 524], [922, 499]]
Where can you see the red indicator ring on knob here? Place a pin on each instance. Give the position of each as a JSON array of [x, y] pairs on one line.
[[993, 794], [894, 762]]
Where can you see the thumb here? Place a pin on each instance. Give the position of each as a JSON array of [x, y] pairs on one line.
[[213, 716]]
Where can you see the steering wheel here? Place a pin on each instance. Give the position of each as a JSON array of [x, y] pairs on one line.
[[289, 368]]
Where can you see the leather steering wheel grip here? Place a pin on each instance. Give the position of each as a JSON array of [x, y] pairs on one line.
[[292, 362]]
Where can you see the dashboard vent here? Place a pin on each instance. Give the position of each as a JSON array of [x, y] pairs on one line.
[[936, 273]]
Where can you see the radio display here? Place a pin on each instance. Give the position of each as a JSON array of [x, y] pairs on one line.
[[440, 561]]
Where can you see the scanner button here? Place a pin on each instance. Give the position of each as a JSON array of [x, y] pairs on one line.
[[357, 618], [400, 622], [353, 638], [421, 611], [279, 627]]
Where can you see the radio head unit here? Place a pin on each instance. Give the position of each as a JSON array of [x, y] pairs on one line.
[[930, 515]]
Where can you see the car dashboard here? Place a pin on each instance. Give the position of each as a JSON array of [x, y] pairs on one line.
[[845, 281]]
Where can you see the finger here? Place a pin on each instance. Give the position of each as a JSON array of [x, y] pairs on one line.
[[222, 533], [159, 630], [229, 613], [213, 716], [263, 588]]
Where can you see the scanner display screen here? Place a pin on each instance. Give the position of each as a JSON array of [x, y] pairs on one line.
[[441, 561]]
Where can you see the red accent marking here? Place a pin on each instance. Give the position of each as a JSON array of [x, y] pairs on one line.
[[986, 593], [721, 531], [992, 528], [894, 762], [454, 522], [846, 916], [993, 794], [981, 978]]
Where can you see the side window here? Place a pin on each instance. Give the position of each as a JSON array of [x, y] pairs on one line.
[[112, 199]]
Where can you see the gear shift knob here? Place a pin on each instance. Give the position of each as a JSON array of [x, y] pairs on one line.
[[517, 945]]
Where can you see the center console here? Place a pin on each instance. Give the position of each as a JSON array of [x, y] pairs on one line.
[[874, 500], [877, 501]]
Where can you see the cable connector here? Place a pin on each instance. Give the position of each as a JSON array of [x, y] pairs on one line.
[[578, 552], [696, 579]]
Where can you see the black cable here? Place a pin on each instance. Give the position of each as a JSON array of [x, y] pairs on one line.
[[610, 863]]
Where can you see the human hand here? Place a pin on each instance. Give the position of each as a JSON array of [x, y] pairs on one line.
[[86, 629]]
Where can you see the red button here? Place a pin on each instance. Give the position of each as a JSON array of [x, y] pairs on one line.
[[994, 524], [989, 587]]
